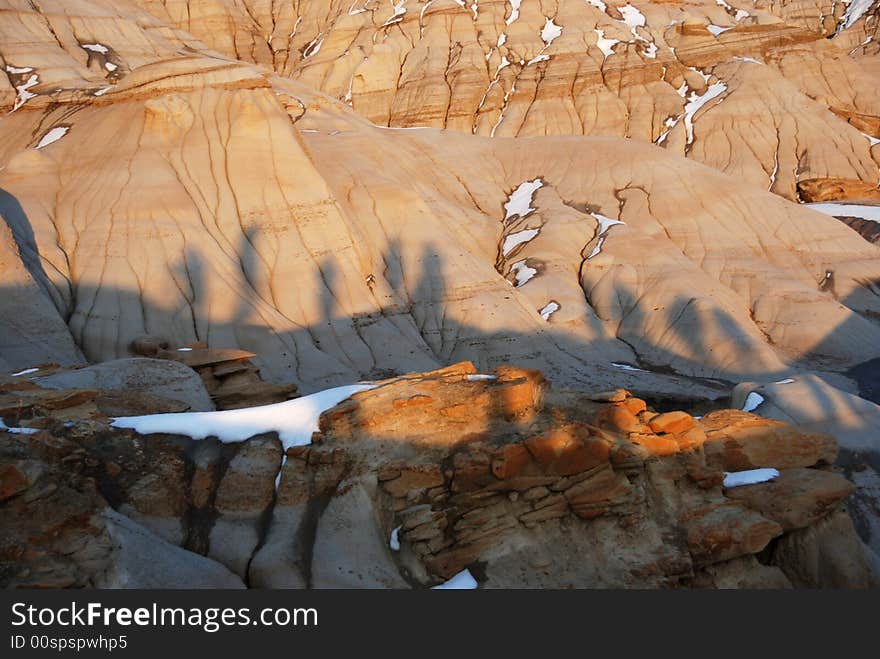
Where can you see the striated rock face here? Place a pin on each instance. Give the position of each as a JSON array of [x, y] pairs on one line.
[[522, 485]]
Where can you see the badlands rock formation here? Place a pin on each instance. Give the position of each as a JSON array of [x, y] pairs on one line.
[[613, 193], [423, 477]]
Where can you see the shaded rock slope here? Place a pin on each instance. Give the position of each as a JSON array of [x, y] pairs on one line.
[[424, 476]]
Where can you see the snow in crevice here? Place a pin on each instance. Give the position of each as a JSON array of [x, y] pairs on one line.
[[784, 381], [598, 4], [52, 135], [873, 141], [294, 420], [507, 96], [520, 200], [461, 581], [775, 171], [352, 11], [751, 60], [741, 14], [24, 93], [394, 540], [313, 46], [543, 57], [605, 223], [18, 70], [753, 402], [514, 240], [514, 11], [522, 272], [26, 371], [749, 477], [549, 309], [695, 103], [397, 16], [670, 123], [627, 367], [96, 48], [103, 90], [597, 249], [854, 11]]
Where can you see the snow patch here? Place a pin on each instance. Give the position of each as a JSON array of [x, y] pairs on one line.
[[605, 45], [52, 136], [18, 431], [394, 541], [294, 420], [461, 581], [717, 29], [871, 213], [479, 377], [520, 200], [632, 17], [785, 381], [753, 402], [512, 241], [549, 309], [96, 48], [605, 223], [522, 272], [749, 477], [550, 32]]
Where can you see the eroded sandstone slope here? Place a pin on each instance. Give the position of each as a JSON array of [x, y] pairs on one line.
[[791, 86], [155, 186]]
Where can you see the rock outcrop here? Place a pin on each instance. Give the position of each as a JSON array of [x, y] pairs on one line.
[[422, 476]]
